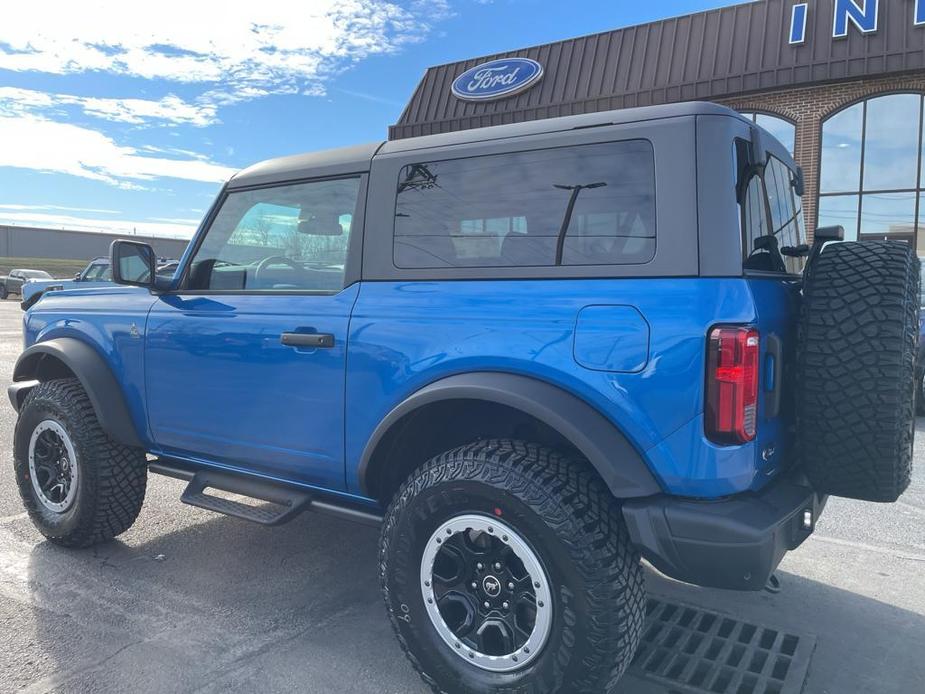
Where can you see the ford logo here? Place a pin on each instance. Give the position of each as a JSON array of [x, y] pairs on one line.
[[496, 79]]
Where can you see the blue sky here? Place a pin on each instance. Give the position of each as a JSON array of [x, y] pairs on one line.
[[119, 115]]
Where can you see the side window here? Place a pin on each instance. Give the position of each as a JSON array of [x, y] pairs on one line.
[[98, 272], [584, 205], [771, 213], [786, 211], [283, 238]]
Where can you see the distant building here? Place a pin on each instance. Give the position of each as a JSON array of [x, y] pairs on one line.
[[840, 82], [35, 242]]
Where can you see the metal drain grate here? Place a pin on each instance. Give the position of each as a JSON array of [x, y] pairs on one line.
[[686, 649]]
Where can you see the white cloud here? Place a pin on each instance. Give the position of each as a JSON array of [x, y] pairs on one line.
[[31, 142], [246, 48], [180, 228], [94, 210], [229, 52], [170, 109], [371, 97]]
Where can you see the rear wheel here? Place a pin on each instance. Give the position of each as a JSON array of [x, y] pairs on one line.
[[856, 375], [79, 486], [506, 567]]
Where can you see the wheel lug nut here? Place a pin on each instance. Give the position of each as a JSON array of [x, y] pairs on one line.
[[510, 586], [479, 566], [487, 604], [504, 605], [475, 585], [497, 566]]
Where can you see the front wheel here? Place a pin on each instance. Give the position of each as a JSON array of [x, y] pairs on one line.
[[79, 486], [506, 566]]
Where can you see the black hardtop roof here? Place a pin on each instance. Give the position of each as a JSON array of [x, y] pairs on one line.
[[355, 159]]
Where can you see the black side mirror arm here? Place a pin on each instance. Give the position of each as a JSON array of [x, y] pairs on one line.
[[822, 236]]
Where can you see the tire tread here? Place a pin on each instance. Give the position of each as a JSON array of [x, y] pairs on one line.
[[117, 473], [575, 503], [857, 344]]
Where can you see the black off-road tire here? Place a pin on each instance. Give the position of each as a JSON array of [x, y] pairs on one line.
[[575, 527], [920, 392], [3, 291], [856, 375], [112, 477]]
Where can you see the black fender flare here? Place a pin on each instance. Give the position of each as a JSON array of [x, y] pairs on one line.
[[94, 375], [617, 461]]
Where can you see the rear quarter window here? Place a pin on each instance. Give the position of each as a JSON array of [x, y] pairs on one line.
[[581, 205], [771, 215]]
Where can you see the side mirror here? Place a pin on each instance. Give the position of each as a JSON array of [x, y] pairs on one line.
[[132, 263], [799, 182], [759, 150], [77, 277], [832, 233]]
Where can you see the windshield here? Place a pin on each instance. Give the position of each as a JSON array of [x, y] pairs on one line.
[[36, 274]]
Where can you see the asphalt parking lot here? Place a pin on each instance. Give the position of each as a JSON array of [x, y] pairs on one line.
[[189, 601]]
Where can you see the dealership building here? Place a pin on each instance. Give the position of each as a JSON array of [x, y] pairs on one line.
[[840, 82]]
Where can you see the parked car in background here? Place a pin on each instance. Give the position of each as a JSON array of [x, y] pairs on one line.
[[98, 273], [167, 268], [12, 283]]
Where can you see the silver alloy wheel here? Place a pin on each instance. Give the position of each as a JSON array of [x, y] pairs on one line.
[[482, 576], [53, 466]]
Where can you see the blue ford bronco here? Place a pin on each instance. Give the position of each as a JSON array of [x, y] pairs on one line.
[[533, 353]]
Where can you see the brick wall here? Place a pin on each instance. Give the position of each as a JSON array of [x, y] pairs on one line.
[[808, 107]]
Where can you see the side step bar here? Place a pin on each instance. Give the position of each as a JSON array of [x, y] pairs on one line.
[[281, 502]]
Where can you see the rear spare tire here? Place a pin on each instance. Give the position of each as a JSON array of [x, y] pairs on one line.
[[855, 392]]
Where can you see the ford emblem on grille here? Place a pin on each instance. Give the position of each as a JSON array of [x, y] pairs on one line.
[[497, 79]]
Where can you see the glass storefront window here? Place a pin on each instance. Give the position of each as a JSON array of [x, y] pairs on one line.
[[888, 214], [841, 151], [891, 143], [840, 209], [870, 181], [783, 130], [920, 238]]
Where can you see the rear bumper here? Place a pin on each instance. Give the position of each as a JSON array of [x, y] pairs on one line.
[[733, 543]]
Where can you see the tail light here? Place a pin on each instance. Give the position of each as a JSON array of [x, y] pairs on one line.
[[732, 384]]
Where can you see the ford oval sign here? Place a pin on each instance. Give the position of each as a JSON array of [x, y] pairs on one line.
[[497, 79]]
